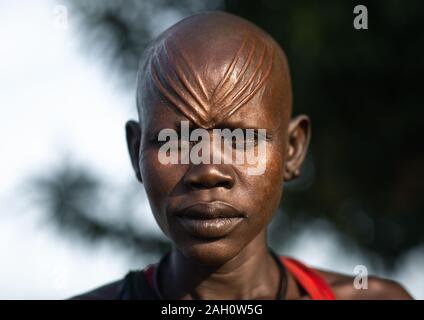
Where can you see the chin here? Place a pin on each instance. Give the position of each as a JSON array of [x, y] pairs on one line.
[[210, 252]]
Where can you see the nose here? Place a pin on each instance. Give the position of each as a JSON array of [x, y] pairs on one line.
[[208, 176]]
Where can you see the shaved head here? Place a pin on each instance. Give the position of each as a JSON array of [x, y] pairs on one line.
[[215, 70], [210, 65]]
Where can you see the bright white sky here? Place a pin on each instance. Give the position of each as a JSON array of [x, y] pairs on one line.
[[55, 99]]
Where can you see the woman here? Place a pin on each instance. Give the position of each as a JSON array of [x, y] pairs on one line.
[[217, 71]]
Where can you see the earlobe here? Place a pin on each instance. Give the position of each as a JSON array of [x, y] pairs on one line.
[[133, 135], [299, 133]]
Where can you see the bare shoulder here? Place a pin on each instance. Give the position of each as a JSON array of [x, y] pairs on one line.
[[109, 291], [376, 288]]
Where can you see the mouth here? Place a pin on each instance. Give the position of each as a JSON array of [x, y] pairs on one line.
[[209, 219]]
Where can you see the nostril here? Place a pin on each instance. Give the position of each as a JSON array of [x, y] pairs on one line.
[[205, 185], [196, 185], [224, 184]]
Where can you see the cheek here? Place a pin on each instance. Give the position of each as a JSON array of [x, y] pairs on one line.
[[159, 181], [264, 191], [273, 176]]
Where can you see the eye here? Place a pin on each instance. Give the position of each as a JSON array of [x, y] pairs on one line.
[[180, 143], [253, 136], [155, 140], [249, 139]]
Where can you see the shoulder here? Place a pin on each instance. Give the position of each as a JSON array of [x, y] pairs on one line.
[[373, 288], [109, 291]]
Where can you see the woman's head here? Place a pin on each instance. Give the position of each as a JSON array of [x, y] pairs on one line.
[[216, 71]]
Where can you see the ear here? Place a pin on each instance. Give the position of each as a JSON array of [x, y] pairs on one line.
[[299, 133], [133, 133]]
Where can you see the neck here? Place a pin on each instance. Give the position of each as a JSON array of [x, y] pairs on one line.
[[251, 274]]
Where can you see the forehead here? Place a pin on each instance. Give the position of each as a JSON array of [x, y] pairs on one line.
[[209, 91], [259, 112], [210, 75]]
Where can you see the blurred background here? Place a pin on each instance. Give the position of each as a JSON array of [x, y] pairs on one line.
[[72, 215]]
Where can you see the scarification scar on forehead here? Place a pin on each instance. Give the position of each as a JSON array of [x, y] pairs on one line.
[[206, 84]]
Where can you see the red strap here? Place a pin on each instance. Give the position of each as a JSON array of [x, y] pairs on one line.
[[313, 283], [148, 273]]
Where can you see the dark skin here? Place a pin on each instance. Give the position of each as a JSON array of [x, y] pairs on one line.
[[223, 80]]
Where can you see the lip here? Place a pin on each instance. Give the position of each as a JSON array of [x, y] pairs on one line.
[[209, 219]]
